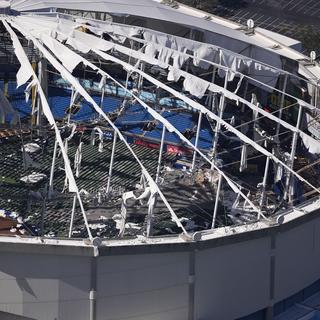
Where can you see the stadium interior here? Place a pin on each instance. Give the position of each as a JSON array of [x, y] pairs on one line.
[[151, 129]]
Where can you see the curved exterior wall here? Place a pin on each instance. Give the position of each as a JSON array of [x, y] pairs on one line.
[[224, 278]]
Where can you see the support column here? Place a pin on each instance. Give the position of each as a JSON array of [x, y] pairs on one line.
[[285, 82], [160, 154], [216, 204], [43, 212], [152, 202], [264, 183], [188, 61], [287, 195], [210, 99], [43, 79], [140, 80], [197, 141], [245, 93], [52, 169], [34, 102], [102, 96], [71, 104], [112, 160], [218, 124], [154, 197], [316, 95], [72, 216]]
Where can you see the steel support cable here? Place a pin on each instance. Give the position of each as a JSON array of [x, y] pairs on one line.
[[48, 114], [68, 76]]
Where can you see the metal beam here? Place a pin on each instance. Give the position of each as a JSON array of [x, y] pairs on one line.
[[287, 195], [115, 136], [216, 204], [72, 216], [264, 183], [52, 169], [197, 141], [283, 96], [160, 154], [218, 124]]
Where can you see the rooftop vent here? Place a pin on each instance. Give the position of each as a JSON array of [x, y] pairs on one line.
[[172, 3]]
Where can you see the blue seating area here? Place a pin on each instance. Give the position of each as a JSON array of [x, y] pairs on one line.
[[59, 101], [131, 121]]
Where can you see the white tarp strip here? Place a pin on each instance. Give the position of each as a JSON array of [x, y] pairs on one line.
[[244, 158], [68, 58], [75, 83], [310, 144], [193, 84], [22, 57], [24, 73], [196, 86]]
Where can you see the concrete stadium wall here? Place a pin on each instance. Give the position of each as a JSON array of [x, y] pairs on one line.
[[144, 287], [44, 286], [225, 278], [233, 280], [297, 262]]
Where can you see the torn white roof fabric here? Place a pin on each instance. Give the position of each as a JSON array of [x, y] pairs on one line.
[[6, 110]]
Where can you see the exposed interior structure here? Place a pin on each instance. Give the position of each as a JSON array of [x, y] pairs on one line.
[[126, 125]]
